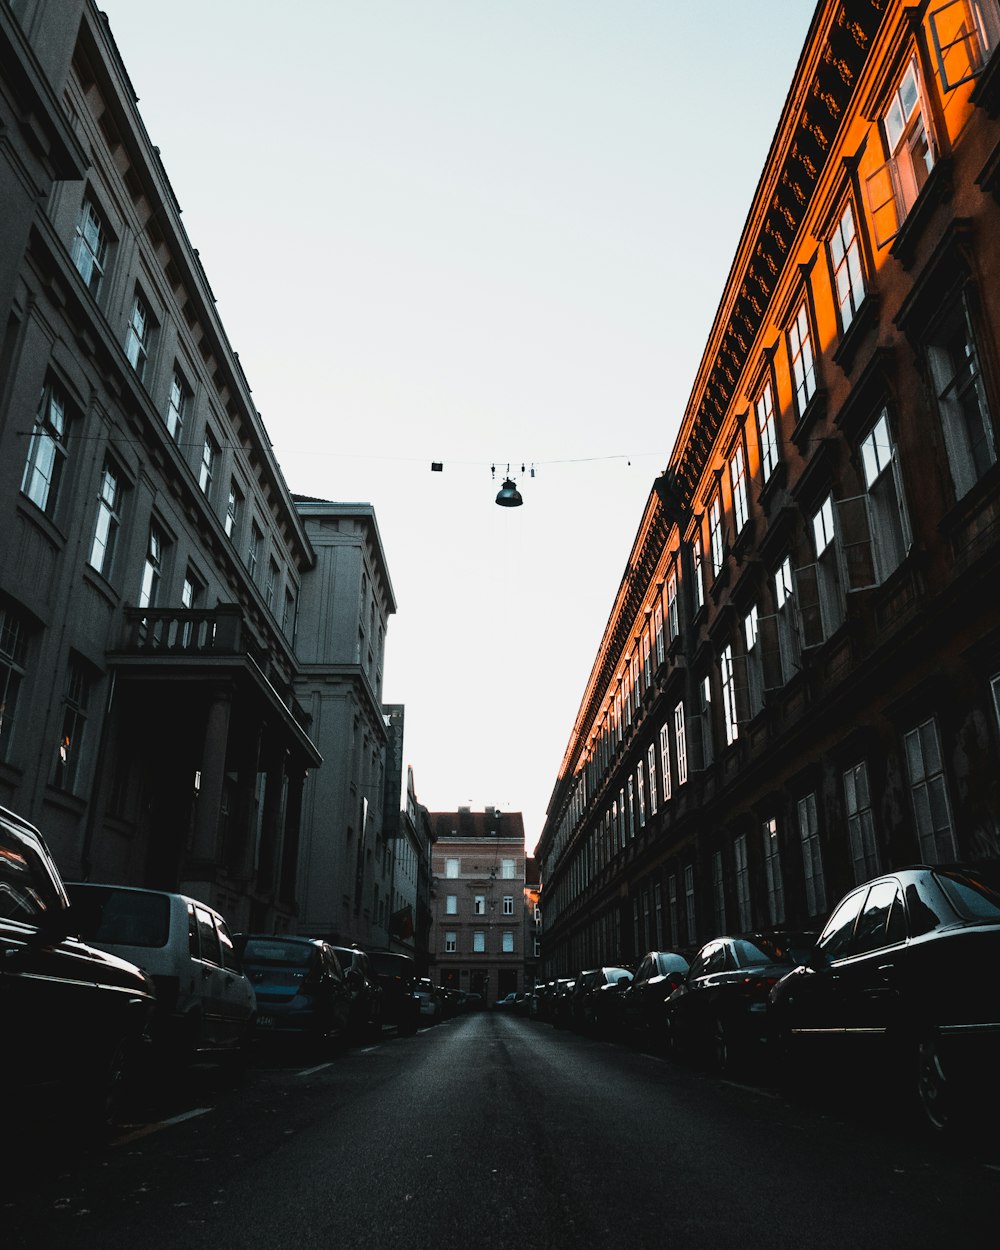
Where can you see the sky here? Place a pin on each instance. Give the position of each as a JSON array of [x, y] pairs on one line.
[[490, 233]]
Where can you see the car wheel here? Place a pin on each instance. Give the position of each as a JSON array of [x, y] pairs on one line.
[[935, 1090]]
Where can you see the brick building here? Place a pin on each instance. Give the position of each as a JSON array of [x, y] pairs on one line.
[[478, 921]]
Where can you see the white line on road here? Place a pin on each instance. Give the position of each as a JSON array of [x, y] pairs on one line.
[[318, 1068], [146, 1129]]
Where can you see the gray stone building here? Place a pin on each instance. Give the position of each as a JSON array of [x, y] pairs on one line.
[[190, 658]]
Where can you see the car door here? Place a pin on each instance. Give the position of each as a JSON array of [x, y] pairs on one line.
[[238, 999], [208, 976], [870, 973]]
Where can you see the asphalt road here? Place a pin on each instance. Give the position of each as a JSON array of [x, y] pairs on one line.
[[494, 1131]]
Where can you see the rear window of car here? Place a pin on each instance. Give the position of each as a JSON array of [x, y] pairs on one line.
[[120, 917], [974, 894], [766, 950], [287, 954]]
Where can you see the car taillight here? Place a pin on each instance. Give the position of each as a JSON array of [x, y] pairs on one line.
[[759, 986]]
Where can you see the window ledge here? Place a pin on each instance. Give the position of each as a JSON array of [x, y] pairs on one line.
[[936, 190], [865, 319], [813, 415]]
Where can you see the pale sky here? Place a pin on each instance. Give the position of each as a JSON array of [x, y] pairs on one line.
[[473, 231]]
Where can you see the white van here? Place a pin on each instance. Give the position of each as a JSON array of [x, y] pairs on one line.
[[205, 1005]]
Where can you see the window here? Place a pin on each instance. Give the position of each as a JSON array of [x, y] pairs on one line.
[[728, 675], [151, 569], [507, 942], [508, 904], [661, 654], [640, 788], [271, 585], [191, 591], [767, 431], [451, 905], [288, 614], [451, 867], [479, 905], [742, 882], [716, 539], [673, 615], [209, 457], [675, 930], [703, 721], [894, 186], [102, 551], [253, 550], [13, 660], [478, 941], [651, 769], [860, 823], [450, 942], [665, 761], [46, 451], [788, 638], [137, 336], [681, 739], [631, 806], [234, 506], [961, 400], [755, 669], [800, 351], [177, 405], [90, 247], [812, 859], [931, 808], [890, 524], [845, 262], [699, 583], [772, 873], [964, 33], [738, 482], [508, 869], [718, 893], [817, 586], [75, 701], [689, 908]]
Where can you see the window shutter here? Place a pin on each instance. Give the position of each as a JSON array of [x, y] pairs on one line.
[[884, 197], [904, 516], [772, 670], [741, 689], [808, 605], [959, 42], [858, 566]]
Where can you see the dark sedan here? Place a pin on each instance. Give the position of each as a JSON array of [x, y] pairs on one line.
[[597, 996], [301, 990], [719, 1012], [72, 1018], [658, 975], [903, 982]]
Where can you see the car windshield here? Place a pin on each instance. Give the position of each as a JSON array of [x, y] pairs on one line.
[[613, 974], [973, 892], [390, 965], [285, 954], [119, 917]]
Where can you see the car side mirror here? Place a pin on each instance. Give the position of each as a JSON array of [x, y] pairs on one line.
[[816, 960]]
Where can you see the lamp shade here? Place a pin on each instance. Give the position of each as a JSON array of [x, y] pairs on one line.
[[509, 496]]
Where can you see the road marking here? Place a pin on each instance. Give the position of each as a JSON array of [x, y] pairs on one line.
[[318, 1068], [145, 1129]]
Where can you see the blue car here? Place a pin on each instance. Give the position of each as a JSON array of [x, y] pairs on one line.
[[301, 989]]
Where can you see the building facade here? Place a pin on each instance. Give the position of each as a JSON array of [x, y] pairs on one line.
[[799, 681], [157, 578], [478, 878]]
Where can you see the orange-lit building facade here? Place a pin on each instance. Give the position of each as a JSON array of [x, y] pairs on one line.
[[799, 682]]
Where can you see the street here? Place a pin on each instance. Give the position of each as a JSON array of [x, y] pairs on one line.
[[497, 1131]]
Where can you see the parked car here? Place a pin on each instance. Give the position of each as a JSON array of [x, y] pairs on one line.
[[903, 982], [365, 993], [453, 1000], [429, 1003], [658, 975], [300, 987], [73, 1019], [397, 976], [205, 1004], [508, 1001], [595, 1003], [719, 1012], [560, 1011]]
